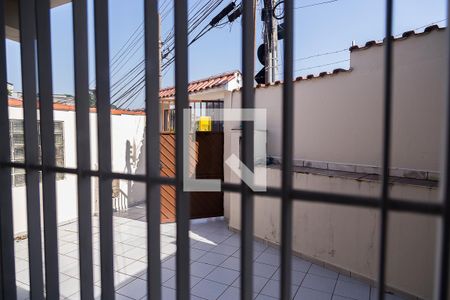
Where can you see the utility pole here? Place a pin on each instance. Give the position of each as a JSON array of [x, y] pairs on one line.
[[160, 51], [270, 41]]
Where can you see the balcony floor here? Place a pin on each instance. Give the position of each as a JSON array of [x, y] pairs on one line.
[[215, 266]]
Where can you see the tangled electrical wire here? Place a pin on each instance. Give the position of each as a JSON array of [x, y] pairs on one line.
[[127, 89]]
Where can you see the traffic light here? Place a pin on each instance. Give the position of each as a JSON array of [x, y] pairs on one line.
[[260, 77]]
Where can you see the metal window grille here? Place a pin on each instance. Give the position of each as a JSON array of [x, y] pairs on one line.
[[18, 149], [198, 108], [34, 24]]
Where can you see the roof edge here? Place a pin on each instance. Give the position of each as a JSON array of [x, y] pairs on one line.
[[405, 35], [18, 103], [303, 78]]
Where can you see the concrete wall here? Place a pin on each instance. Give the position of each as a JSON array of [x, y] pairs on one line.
[[338, 119], [346, 238], [124, 128]]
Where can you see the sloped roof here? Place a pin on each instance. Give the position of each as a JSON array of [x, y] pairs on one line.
[[13, 102], [202, 84]]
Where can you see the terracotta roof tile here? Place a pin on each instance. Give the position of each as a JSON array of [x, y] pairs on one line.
[[202, 84], [12, 102]]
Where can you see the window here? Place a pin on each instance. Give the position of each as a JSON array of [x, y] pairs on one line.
[[18, 149]]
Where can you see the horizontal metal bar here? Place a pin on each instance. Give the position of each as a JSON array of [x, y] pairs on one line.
[[92, 173], [395, 204]]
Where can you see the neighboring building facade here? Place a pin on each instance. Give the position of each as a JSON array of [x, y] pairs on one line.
[[205, 96], [127, 128]]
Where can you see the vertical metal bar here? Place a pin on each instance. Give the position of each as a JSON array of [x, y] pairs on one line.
[[443, 264], [27, 47], [48, 148], [104, 146], [7, 266], [387, 115], [248, 101], [288, 144], [79, 8], [181, 102], [152, 78]]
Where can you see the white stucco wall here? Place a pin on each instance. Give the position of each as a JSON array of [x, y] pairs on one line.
[[123, 127], [338, 119], [347, 238]]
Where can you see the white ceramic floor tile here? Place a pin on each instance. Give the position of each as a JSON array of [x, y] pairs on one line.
[[171, 283], [269, 259], [264, 297], [321, 271], [215, 265], [300, 265], [135, 253], [200, 269], [136, 289], [69, 287], [230, 293], [196, 254], [319, 283], [272, 289], [263, 270], [337, 297], [213, 258], [121, 279], [296, 277], [358, 291], [224, 249], [208, 289], [136, 268], [168, 294], [169, 263], [258, 283], [308, 294], [222, 275], [232, 263]]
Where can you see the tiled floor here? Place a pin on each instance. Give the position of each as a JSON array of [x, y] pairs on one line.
[[214, 265]]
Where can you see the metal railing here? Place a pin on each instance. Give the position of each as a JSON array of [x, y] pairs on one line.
[[35, 25]]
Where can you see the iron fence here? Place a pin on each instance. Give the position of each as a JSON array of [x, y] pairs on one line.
[[35, 26]]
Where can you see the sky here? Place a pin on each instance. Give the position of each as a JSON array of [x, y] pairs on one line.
[[325, 28]]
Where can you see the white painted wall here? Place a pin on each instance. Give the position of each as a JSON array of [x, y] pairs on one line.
[[347, 238], [339, 119], [123, 127]]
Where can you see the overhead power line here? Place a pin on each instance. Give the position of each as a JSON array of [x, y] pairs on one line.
[[316, 4], [127, 89], [320, 66]]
